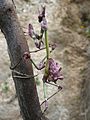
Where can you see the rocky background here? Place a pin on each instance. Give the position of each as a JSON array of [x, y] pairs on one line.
[[69, 27]]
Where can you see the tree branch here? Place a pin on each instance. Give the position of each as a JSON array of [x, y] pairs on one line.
[[17, 45]]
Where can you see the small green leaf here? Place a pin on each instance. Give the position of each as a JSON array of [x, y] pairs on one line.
[[5, 87]]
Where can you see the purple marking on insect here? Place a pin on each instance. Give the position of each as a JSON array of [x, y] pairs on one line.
[[31, 31], [54, 71], [41, 14], [44, 24], [39, 44], [46, 104], [35, 36], [41, 65]]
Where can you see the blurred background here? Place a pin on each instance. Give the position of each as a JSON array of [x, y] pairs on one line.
[[69, 28]]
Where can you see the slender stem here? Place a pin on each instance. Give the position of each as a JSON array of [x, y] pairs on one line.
[[46, 68], [47, 51], [46, 44]]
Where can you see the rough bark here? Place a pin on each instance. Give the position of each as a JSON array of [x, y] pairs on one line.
[[17, 45]]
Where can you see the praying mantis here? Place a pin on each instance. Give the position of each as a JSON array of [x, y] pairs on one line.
[[52, 70]]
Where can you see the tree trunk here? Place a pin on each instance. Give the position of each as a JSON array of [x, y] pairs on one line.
[[17, 45]]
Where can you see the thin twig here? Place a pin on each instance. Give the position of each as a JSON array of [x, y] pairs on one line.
[[50, 96], [13, 67], [41, 49], [37, 50], [19, 73], [24, 77], [52, 84]]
